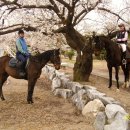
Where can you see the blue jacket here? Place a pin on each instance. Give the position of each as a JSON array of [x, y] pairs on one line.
[[22, 46]]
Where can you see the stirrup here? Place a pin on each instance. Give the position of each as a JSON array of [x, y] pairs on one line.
[[124, 61]]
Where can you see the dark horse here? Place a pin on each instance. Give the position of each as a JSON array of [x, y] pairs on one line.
[[33, 70], [113, 57]]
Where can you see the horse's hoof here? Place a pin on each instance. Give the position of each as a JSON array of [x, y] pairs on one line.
[[109, 88], [2, 98], [127, 85], [117, 90], [124, 85], [30, 102]]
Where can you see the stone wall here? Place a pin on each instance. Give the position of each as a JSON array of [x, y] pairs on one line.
[[106, 112]]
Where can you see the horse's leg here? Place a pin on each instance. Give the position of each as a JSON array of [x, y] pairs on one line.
[[3, 78], [116, 76], [126, 75], [1, 92], [110, 76], [31, 84]]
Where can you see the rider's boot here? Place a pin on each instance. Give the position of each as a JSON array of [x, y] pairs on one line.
[[21, 69], [124, 58]]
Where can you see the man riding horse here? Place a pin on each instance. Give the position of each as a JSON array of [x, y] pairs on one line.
[[22, 53], [122, 37]]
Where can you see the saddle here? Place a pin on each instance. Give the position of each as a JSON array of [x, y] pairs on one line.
[[13, 63], [20, 66]]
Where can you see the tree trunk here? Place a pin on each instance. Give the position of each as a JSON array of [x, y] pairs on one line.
[[83, 66]]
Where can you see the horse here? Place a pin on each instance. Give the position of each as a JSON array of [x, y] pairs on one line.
[[33, 70], [113, 58]]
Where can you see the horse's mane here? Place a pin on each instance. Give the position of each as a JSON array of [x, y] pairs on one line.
[[45, 54], [110, 41]]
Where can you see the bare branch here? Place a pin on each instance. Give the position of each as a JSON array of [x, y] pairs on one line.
[[40, 7], [60, 30], [109, 11], [15, 28], [84, 12], [64, 3], [5, 3], [56, 9]]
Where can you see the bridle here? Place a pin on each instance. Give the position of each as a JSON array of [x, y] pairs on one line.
[[55, 61], [99, 44]]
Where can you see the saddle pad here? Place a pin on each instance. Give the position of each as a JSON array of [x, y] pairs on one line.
[[13, 62]]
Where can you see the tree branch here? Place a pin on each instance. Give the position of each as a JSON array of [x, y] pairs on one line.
[[56, 10], [71, 12], [60, 30], [15, 28], [64, 3], [5, 3], [109, 11], [84, 12]]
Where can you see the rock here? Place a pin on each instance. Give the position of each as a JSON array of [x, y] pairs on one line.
[[108, 100], [52, 75], [50, 71], [93, 107], [69, 85], [75, 87], [60, 74], [65, 93], [45, 69], [80, 99], [111, 110], [93, 94], [100, 121], [56, 83], [86, 87], [65, 82], [119, 123]]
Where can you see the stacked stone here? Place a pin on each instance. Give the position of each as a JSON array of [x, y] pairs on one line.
[[105, 112]]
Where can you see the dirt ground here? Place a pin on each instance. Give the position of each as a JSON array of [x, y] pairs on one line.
[[47, 113]]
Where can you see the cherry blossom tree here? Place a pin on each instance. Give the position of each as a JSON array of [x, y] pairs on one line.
[[50, 17]]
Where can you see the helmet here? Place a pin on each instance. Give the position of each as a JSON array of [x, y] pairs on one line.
[[20, 32]]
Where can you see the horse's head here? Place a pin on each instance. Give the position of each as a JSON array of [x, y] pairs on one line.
[[98, 45], [55, 58]]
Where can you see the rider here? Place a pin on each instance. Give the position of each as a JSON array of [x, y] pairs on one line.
[[122, 37], [22, 53]]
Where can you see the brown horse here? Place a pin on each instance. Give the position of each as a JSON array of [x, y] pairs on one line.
[[113, 57], [33, 70]]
